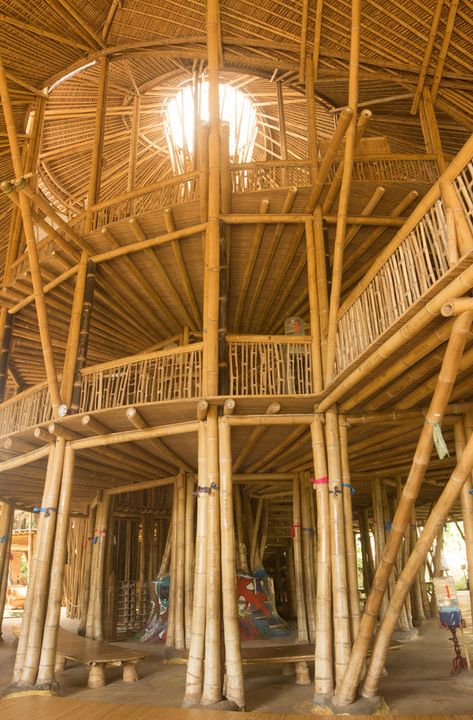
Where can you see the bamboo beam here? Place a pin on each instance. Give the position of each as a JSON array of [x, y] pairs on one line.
[[138, 421], [434, 522], [41, 310], [97, 147], [427, 54], [442, 56], [347, 689]]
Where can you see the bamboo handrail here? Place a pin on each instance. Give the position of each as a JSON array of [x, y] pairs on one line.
[[138, 357]]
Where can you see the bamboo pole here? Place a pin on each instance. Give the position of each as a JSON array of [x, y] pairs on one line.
[[466, 499], [72, 348], [29, 602], [212, 689], [316, 355], [45, 678], [43, 563], [302, 630], [434, 523], [79, 350], [446, 379], [352, 567], [194, 675], [234, 687], [308, 531], [6, 526], [86, 575], [6, 325], [212, 252], [103, 528], [323, 674], [341, 614], [97, 146], [189, 558], [173, 572], [180, 562], [242, 557], [345, 188], [41, 310]]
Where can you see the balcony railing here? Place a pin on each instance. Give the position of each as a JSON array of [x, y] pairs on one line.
[[165, 375], [417, 258], [29, 408], [269, 365]]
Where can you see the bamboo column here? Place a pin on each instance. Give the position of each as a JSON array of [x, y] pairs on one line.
[[234, 687], [323, 674], [341, 613], [212, 251], [296, 531], [212, 689], [97, 146], [36, 280], [44, 547], [242, 557], [368, 564], [85, 593], [171, 627], [345, 188], [194, 675], [379, 536], [467, 509], [45, 678], [189, 558], [6, 527], [180, 561], [83, 341], [72, 347], [352, 566], [308, 530], [432, 526], [437, 565], [282, 129], [453, 353]]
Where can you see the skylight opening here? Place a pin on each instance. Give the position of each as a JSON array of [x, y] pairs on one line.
[[236, 109]]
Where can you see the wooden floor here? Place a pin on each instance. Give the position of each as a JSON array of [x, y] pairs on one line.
[[54, 708]]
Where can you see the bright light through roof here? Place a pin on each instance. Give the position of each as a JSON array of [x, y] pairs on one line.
[[235, 108]]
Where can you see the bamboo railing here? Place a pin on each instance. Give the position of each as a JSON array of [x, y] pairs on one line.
[[31, 407], [419, 258], [165, 375], [270, 365]]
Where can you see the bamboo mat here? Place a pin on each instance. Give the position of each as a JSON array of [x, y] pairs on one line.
[[54, 708]]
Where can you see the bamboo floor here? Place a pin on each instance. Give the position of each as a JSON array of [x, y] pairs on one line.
[[55, 708]]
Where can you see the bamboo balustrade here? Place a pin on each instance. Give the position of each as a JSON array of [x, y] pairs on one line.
[[270, 365], [418, 260], [29, 408], [165, 375]]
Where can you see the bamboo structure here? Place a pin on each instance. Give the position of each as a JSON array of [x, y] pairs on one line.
[[235, 322]]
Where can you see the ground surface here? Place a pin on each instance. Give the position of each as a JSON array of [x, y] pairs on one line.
[[418, 679]]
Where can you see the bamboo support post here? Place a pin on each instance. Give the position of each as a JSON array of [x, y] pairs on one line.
[[341, 613], [97, 146], [302, 629], [212, 688], [434, 523], [180, 562], [234, 686], [447, 375], [86, 576], [323, 678], [51, 626], [307, 532], [6, 527], [173, 572], [189, 558], [194, 676], [352, 567]]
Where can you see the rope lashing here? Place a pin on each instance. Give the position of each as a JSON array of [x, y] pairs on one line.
[[319, 481], [440, 444], [206, 489], [293, 529], [309, 531], [4, 539], [46, 510], [350, 487], [336, 491], [98, 533]]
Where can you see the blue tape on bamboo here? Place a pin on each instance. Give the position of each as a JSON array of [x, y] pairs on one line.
[[388, 525], [470, 491], [98, 534], [4, 539], [46, 510], [350, 487]]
